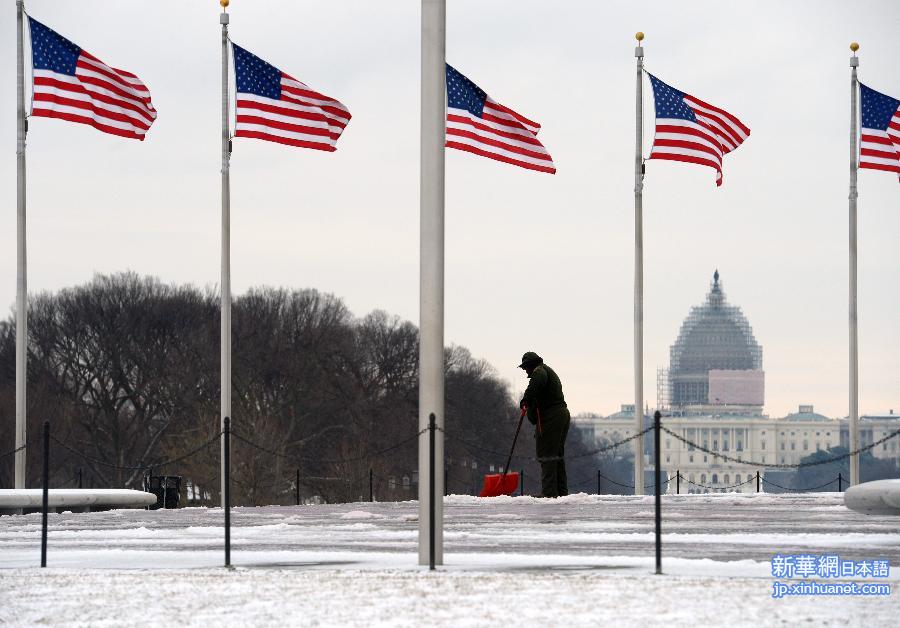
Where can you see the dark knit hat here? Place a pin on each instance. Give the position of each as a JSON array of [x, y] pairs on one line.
[[530, 359]]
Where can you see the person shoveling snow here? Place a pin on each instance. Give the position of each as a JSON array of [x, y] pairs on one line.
[[546, 409]]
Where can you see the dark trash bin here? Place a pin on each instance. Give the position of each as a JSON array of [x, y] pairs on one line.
[[167, 489]]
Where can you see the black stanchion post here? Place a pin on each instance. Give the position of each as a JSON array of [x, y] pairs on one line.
[[226, 434], [79, 478], [45, 501], [599, 492], [678, 482], [757, 480], [445, 481], [298, 486], [840, 483], [371, 485], [431, 429], [658, 491]]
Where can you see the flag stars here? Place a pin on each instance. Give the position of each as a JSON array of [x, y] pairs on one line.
[[464, 94], [877, 109], [51, 51], [670, 102], [255, 76]]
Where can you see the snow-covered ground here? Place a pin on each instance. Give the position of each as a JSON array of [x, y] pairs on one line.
[[580, 560]]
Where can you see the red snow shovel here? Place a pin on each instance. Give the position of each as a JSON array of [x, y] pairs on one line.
[[505, 483]]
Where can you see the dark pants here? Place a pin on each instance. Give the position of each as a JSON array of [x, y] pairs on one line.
[[551, 446]]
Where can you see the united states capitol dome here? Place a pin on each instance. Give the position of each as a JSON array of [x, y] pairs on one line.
[[717, 337]]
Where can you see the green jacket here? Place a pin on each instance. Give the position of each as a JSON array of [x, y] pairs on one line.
[[544, 394]]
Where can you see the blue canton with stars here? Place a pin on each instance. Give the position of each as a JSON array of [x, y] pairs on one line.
[[51, 51], [464, 94], [255, 76], [669, 101], [877, 108]]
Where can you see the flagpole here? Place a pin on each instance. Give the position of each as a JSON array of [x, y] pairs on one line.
[[639, 273], [854, 348], [431, 271], [21, 257], [225, 317]]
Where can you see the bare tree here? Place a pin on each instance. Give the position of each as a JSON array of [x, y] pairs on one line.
[[128, 370]]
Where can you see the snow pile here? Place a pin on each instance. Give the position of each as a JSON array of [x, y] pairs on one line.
[[361, 514]]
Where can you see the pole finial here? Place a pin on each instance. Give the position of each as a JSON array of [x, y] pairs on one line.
[[854, 47], [639, 36], [224, 3]]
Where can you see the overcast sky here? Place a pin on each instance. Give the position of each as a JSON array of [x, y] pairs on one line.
[[533, 261]]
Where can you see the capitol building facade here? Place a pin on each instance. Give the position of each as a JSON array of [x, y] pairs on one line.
[[712, 395]]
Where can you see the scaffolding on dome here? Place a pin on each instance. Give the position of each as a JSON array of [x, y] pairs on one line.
[[714, 336], [663, 390]]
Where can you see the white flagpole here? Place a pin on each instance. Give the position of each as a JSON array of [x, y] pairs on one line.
[[21, 257], [639, 274], [854, 348], [225, 317], [431, 270]]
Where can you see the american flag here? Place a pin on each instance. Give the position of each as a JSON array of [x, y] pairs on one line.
[[688, 129], [478, 124], [276, 107], [74, 85], [879, 145]]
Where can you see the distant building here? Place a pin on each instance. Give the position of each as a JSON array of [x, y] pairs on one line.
[[749, 437], [713, 394], [715, 365]]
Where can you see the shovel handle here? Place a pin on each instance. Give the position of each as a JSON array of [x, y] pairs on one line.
[[515, 438]]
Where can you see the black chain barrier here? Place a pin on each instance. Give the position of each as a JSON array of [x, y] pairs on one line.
[[600, 475], [14, 451], [776, 465], [592, 452], [374, 454], [814, 488], [140, 467]]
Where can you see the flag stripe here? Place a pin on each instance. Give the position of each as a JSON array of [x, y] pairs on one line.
[[692, 148], [491, 125], [273, 123], [501, 113], [690, 158], [876, 137], [875, 164], [54, 86], [498, 150], [49, 102], [263, 134], [500, 157], [273, 130], [60, 114], [739, 127], [690, 132], [511, 148], [127, 86], [458, 116], [95, 100], [276, 113]]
